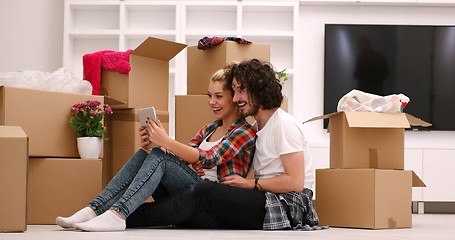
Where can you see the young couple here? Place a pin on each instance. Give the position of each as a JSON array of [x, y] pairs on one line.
[[278, 198]]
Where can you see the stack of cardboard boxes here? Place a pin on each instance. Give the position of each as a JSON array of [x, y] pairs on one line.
[[146, 85], [59, 183], [192, 111], [366, 186]]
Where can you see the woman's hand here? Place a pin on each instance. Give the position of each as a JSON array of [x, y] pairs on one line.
[[199, 172], [144, 138], [238, 181], [157, 134]]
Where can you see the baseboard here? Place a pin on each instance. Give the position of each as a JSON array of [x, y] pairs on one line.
[[433, 207]]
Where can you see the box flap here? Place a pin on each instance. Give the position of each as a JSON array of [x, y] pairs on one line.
[[376, 120], [414, 121], [12, 132], [112, 101], [416, 181], [321, 117], [158, 48]]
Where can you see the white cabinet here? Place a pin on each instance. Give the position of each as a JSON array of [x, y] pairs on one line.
[[320, 156], [92, 26], [413, 160], [438, 175]]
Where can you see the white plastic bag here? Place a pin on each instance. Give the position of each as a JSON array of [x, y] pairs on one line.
[[358, 101], [61, 80]]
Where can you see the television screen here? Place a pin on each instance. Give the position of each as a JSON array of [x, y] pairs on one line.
[[417, 61]]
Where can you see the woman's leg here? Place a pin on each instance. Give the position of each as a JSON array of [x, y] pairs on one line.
[[119, 183], [158, 167], [234, 207], [109, 195]]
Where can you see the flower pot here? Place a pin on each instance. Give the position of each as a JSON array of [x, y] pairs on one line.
[[89, 147]]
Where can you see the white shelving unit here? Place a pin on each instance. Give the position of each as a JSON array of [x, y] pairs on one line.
[[92, 26]]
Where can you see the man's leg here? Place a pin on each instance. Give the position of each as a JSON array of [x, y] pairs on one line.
[[233, 207]]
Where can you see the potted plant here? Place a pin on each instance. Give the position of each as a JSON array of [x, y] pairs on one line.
[[87, 119]]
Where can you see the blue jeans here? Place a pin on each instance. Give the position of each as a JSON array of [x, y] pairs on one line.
[[139, 178]]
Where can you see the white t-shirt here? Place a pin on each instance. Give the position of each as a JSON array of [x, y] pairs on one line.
[[282, 134], [210, 174]]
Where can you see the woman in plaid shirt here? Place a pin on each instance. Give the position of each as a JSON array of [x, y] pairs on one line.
[[226, 144]]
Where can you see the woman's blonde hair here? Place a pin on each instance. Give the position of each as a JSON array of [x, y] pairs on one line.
[[220, 76]]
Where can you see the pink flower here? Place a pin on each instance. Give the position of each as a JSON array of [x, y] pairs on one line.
[[87, 123]]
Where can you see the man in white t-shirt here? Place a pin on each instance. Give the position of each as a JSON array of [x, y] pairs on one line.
[[282, 152]]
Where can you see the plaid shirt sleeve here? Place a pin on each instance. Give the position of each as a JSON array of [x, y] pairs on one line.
[[233, 154]]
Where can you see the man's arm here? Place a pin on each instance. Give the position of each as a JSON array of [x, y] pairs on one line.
[[291, 180]]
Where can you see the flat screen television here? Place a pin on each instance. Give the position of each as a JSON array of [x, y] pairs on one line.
[[418, 61]]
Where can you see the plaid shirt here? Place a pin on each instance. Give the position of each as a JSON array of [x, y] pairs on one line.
[[233, 155], [206, 42], [290, 210]]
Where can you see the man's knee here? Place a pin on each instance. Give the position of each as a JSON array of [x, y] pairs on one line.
[[202, 188]]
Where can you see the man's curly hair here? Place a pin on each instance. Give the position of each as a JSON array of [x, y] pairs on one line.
[[264, 88]]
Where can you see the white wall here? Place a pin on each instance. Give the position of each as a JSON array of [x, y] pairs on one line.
[[31, 35], [308, 89]]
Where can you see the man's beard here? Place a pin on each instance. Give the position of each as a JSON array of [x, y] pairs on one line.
[[253, 111]]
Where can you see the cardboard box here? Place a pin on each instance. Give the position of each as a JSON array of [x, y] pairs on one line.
[[147, 84], [202, 64], [13, 179], [60, 187], [192, 112], [44, 117], [124, 140], [365, 198], [368, 139]]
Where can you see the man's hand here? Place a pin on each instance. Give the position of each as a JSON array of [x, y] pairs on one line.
[[238, 181]]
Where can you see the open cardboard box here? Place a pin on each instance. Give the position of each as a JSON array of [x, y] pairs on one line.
[[202, 64], [147, 84], [368, 139], [44, 116], [365, 198], [13, 179]]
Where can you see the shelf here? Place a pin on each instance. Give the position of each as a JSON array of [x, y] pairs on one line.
[[264, 18], [167, 34], [211, 18], [97, 15], [92, 26], [150, 17], [94, 34]]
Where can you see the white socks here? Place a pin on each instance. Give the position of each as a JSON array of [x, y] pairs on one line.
[[105, 222], [82, 215]]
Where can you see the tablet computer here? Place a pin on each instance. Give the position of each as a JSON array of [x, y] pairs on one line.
[[145, 113]]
